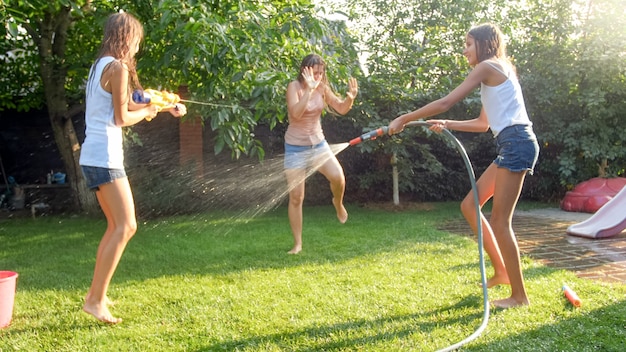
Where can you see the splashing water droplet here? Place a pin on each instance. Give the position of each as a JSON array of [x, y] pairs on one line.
[[248, 190]]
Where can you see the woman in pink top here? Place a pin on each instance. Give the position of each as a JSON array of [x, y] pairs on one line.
[[503, 112], [305, 145]]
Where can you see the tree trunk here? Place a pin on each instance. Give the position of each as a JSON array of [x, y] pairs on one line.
[[51, 39], [394, 171], [604, 164]]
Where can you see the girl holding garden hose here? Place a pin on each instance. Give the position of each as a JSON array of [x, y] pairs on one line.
[[109, 107], [504, 112]]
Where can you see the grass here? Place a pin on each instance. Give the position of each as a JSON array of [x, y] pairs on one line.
[[385, 281]]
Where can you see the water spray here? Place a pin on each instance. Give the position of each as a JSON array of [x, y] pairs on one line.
[[371, 135]]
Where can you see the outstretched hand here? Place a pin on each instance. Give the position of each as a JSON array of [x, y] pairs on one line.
[[309, 78], [396, 126], [437, 125], [353, 88]]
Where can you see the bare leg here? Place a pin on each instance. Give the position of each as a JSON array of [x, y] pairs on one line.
[[486, 186], [105, 240], [117, 203], [507, 191], [295, 180], [333, 172]]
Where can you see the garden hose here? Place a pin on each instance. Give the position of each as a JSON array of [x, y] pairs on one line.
[[371, 135], [481, 256], [375, 133]]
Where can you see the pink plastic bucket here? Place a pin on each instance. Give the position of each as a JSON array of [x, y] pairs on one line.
[[8, 283]]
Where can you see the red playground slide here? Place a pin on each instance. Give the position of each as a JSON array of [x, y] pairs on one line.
[[608, 221]]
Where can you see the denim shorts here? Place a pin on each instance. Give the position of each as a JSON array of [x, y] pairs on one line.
[[303, 156], [97, 176], [517, 148]]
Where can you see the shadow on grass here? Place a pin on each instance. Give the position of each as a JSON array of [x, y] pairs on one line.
[[59, 254], [364, 332], [586, 332], [603, 329]]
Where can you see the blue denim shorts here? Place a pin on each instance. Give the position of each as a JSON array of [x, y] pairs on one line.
[[517, 148], [97, 176], [302, 157]]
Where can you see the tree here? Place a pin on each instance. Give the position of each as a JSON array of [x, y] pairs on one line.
[[570, 59], [233, 55], [38, 31], [413, 54], [236, 56], [574, 74]]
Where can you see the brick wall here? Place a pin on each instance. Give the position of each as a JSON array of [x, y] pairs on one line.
[[190, 137]]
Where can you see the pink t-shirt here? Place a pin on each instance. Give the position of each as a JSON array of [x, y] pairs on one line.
[[307, 130]]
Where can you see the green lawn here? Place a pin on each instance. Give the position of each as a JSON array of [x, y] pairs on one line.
[[384, 281]]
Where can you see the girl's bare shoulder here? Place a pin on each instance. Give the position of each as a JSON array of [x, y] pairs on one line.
[[498, 65], [493, 72], [295, 84], [489, 64], [116, 66]]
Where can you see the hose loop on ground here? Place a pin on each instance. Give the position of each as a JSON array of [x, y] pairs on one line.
[[481, 257]]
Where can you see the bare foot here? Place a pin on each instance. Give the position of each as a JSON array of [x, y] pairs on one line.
[[107, 300], [295, 250], [497, 280], [101, 312], [509, 303], [342, 213]]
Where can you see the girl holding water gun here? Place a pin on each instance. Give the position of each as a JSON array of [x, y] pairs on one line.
[[109, 108]]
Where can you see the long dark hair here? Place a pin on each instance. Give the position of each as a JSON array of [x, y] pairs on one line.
[[489, 42], [119, 31]]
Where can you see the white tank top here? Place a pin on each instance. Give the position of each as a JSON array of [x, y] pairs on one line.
[[504, 103], [103, 145]]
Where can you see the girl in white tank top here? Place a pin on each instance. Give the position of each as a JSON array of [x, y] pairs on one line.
[[102, 156], [504, 112]]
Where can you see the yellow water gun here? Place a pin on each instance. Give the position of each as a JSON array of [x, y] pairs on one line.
[[162, 99]]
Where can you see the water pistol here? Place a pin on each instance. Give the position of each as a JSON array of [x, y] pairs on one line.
[[571, 296], [371, 135], [162, 99]]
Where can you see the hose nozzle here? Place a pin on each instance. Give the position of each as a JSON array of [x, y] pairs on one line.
[[371, 135]]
